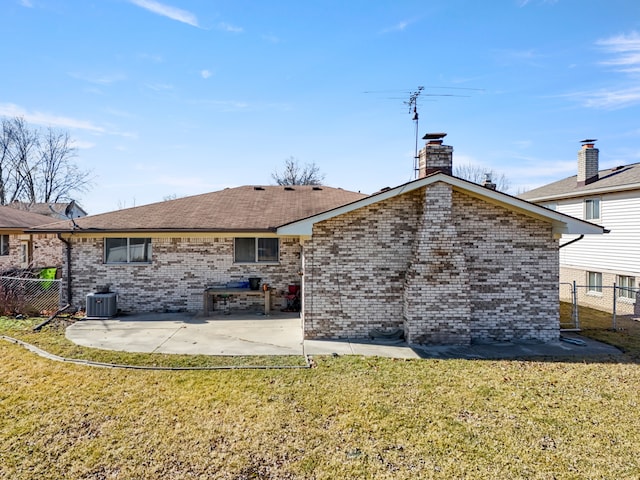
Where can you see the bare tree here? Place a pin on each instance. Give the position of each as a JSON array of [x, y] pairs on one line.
[[57, 175], [37, 166], [294, 174], [19, 145], [477, 174]]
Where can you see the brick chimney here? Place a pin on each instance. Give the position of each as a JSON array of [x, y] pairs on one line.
[[435, 157], [587, 163]]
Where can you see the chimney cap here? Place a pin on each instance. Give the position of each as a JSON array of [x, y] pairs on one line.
[[434, 136], [589, 140]]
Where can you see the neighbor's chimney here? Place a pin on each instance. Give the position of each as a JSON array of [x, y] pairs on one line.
[[435, 157], [587, 163]]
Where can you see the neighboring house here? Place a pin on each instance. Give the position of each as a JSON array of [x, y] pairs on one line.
[[447, 260], [19, 249], [610, 198], [59, 211]]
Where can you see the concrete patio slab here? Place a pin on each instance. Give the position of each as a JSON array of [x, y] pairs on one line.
[[281, 334]]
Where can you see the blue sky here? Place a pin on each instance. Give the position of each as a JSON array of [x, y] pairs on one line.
[[181, 97]]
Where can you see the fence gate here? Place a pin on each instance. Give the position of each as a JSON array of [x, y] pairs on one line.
[[29, 296], [611, 299], [569, 317]]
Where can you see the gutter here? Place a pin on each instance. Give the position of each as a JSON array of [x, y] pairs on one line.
[[604, 230], [68, 245]]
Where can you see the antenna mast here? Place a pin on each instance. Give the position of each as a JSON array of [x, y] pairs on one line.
[[413, 108]]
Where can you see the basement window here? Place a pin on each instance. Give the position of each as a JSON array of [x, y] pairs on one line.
[[626, 287], [127, 250], [4, 244], [256, 250], [594, 282]]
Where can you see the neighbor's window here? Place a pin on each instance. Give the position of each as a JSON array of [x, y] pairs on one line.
[[552, 206], [592, 209], [25, 253], [594, 282], [626, 286], [4, 244], [256, 250], [127, 250]]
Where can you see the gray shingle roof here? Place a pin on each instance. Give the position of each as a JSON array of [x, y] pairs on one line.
[[46, 208], [12, 219], [247, 208], [612, 179]]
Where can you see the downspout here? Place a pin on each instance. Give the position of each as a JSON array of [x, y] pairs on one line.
[[68, 245], [580, 238], [572, 241]]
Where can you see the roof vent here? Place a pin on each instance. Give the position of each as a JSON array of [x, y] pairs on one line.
[[290, 189], [317, 188], [258, 188]]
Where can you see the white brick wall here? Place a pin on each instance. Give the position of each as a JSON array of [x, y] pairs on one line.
[[178, 273], [476, 272]]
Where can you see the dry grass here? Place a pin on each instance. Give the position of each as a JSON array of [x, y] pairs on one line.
[[599, 326], [351, 417]]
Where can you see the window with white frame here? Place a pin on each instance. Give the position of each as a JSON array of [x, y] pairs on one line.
[[4, 244], [592, 209], [594, 282], [626, 286], [256, 250], [127, 250], [25, 253], [552, 206]]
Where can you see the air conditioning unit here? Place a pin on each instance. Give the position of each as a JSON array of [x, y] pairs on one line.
[[102, 305]]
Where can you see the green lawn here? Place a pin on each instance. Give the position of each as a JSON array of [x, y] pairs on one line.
[[347, 418]]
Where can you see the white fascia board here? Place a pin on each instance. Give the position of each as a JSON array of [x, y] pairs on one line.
[[586, 193], [304, 227], [562, 224]]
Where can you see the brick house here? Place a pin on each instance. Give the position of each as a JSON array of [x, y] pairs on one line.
[[446, 260], [21, 249]]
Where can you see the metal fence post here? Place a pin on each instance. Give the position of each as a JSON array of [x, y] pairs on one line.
[[615, 296], [576, 317]]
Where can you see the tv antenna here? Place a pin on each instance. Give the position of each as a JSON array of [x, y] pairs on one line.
[[412, 103]]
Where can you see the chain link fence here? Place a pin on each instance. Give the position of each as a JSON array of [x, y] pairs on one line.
[[615, 300], [29, 296]]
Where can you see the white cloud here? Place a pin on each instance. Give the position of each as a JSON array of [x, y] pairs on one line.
[[512, 56], [26, 3], [83, 145], [57, 121], [271, 38], [624, 56], [625, 50], [398, 27], [238, 105], [104, 79], [152, 57], [47, 119], [168, 11], [159, 87], [205, 74], [524, 3], [230, 28], [610, 99]]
